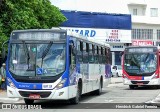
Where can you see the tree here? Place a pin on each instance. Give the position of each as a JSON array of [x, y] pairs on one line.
[[27, 14]]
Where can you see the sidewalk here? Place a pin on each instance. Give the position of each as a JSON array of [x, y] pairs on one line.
[[5, 99], [115, 80], [155, 101]]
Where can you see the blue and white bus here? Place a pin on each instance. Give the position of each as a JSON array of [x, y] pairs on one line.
[[52, 64]]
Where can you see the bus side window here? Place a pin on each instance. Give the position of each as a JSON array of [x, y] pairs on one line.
[[79, 51], [100, 55], [96, 54], [85, 53], [91, 52], [104, 55], [108, 56]]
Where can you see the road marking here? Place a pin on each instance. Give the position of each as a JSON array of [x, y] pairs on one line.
[[108, 101], [122, 97], [10, 99]]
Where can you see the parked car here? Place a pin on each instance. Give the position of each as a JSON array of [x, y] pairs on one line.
[[116, 70]]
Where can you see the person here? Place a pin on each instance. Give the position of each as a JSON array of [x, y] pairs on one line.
[[0, 79], [150, 61], [3, 74]]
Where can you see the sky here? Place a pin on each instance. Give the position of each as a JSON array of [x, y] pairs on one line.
[[91, 5]]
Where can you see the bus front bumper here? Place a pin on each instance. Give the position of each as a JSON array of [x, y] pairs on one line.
[[61, 94], [156, 81]]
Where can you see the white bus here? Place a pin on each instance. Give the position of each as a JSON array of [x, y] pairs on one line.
[[51, 64]]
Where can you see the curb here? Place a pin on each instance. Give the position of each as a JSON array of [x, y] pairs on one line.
[[10, 99], [1, 91], [115, 82], [155, 101]]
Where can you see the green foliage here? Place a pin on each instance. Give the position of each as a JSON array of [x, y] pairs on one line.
[[27, 14]]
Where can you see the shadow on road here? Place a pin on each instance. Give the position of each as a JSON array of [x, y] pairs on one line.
[[65, 104], [143, 88]]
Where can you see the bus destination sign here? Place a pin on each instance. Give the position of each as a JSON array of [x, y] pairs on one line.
[[140, 50]]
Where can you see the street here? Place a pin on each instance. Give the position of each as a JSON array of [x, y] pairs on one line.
[[116, 93]]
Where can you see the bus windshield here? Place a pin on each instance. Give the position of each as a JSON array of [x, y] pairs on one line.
[[139, 63], [32, 59]]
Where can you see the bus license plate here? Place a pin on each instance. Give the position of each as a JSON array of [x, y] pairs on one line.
[[139, 83], [34, 96]]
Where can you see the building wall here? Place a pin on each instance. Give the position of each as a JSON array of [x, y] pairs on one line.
[[141, 19]]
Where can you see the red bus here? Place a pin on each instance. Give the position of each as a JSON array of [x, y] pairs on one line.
[[140, 66]]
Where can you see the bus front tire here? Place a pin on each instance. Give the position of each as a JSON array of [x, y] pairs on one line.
[[132, 86], [76, 99], [117, 74], [28, 101]]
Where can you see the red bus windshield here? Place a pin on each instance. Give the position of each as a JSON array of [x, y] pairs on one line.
[[140, 63]]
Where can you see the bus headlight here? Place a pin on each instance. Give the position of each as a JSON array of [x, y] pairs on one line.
[[11, 84], [124, 76], [155, 76], [60, 84]]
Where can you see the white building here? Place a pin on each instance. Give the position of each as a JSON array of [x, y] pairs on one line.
[[145, 16]]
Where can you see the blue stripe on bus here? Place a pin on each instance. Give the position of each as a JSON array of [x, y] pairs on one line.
[[142, 77]]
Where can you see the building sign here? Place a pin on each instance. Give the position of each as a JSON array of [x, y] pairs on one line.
[[113, 36], [140, 50], [84, 32], [142, 43], [106, 35], [117, 47]]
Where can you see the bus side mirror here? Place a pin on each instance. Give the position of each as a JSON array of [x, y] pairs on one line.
[[121, 53], [4, 65]]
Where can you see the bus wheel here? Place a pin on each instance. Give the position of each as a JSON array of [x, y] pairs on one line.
[[76, 99], [132, 86], [156, 87], [99, 91], [28, 101], [117, 74]]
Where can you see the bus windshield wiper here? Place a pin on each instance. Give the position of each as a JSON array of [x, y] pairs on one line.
[[46, 51], [135, 61], [26, 52], [147, 57]]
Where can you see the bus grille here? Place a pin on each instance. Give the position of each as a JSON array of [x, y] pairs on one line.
[[43, 94], [144, 82]]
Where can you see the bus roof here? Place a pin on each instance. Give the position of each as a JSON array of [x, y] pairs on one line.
[[70, 33], [78, 36], [57, 29]]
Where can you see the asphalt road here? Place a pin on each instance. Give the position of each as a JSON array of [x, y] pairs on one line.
[[115, 96]]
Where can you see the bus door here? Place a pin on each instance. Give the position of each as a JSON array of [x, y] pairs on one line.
[[72, 62]]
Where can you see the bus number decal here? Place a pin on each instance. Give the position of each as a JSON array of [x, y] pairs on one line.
[[47, 86]]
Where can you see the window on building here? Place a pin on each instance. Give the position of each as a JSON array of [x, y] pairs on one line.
[[154, 12], [117, 58], [142, 33], [158, 34], [135, 12], [143, 11]]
